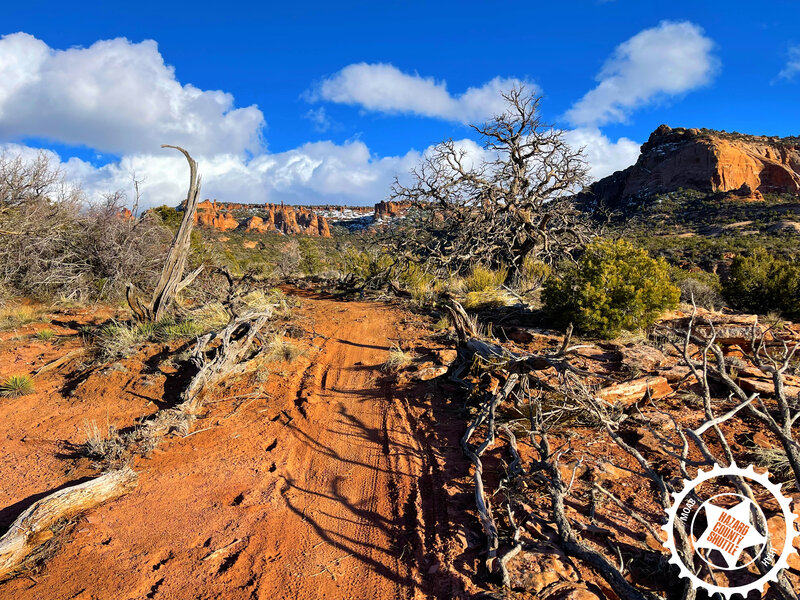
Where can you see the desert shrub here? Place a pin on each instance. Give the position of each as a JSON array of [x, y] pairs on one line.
[[311, 262], [533, 274], [482, 279], [702, 287], [760, 282], [168, 216], [15, 386], [45, 334], [59, 245], [288, 262], [371, 268], [615, 286]]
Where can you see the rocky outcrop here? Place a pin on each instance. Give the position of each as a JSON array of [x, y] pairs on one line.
[[707, 161], [386, 210], [279, 218]]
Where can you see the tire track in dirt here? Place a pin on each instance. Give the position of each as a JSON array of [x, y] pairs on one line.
[[325, 490]]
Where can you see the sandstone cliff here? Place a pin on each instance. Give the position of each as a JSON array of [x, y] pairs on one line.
[[707, 161]]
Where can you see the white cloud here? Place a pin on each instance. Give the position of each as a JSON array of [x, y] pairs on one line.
[[314, 173], [319, 118], [115, 96], [603, 155], [667, 60], [120, 97], [792, 67], [384, 88]]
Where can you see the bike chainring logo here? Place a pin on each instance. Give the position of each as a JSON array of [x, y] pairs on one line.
[[731, 554]]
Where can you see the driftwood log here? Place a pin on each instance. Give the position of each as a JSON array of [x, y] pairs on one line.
[[33, 528]]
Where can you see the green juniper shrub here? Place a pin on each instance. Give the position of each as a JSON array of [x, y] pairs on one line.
[[760, 282], [615, 286]]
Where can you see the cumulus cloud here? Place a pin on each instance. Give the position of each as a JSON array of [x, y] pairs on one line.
[[792, 68], [314, 173], [115, 96], [603, 155], [381, 87], [667, 60], [120, 97]]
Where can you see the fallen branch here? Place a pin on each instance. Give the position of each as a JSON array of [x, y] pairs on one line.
[[33, 528]]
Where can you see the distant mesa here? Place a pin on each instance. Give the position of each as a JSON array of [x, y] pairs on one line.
[[293, 220], [744, 166]]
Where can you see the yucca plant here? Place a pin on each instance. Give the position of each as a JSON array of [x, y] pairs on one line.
[[15, 386], [45, 334]]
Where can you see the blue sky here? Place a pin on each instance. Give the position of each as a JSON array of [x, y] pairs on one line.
[[334, 99]]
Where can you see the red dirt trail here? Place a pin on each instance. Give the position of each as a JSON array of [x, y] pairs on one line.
[[309, 490]]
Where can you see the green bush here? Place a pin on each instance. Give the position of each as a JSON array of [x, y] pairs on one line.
[[760, 282], [615, 286], [169, 216]]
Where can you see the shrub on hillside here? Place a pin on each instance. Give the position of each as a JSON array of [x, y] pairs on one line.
[[701, 287], [615, 286], [760, 282]]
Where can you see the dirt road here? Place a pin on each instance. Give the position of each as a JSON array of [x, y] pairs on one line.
[[309, 489]]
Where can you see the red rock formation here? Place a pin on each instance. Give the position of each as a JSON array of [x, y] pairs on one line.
[[282, 218], [385, 209], [258, 225], [707, 161]]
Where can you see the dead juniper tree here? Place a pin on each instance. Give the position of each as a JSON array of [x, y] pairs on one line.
[[172, 280], [508, 202], [521, 379]]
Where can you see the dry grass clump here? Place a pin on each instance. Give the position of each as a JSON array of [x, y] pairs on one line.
[[45, 334], [15, 386], [175, 330], [443, 324], [120, 339], [278, 348], [482, 279], [211, 316], [774, 460], [114, 448], [484, 289], [398, 359], [12, 316], [491, 298]]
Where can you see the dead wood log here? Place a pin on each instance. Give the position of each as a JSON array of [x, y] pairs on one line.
[[235, 343], [55, 364], [33, 528], [172, 280], [487, 416]]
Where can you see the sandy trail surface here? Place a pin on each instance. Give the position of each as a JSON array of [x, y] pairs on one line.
[[309, 489]]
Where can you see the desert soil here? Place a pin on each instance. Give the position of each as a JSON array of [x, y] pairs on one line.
[[324, 481]]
